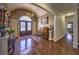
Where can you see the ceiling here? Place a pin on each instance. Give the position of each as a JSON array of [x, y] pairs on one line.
[[43, 8], [60, 7], [39, 11], [64, 7]]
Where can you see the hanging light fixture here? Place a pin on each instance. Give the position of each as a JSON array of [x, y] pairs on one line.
[[30, 14]]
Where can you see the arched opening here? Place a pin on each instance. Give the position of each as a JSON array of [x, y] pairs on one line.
[[25, 18], [25, 25]]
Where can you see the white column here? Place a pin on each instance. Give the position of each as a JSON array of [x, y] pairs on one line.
[[50, 35], [75, 39]]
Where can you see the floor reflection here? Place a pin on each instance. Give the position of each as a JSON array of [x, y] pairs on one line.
[[32, 46], [24, 52], [29, 42], [69, 39], [25, 45], [69, 36], [22, 45]]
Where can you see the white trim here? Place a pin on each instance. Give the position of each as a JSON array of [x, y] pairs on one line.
[[55, 40], [75, 45]]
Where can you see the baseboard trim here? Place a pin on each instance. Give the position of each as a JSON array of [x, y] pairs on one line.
[[57, 39], [75, 45], [78, 46]]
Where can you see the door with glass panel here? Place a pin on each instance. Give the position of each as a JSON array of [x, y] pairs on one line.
[[25, 28], [29, 27]]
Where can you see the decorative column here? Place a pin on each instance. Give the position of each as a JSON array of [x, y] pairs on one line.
[[50, 34]]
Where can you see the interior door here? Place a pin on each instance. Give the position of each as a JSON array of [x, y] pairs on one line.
[[70, 32], [25, 28]]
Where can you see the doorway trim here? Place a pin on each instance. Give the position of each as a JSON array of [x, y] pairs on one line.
[[27, 20]]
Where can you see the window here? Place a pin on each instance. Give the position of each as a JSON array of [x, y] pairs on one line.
[[23, 26], [25, 18], [69, 25], [28, 26], [25, 23]]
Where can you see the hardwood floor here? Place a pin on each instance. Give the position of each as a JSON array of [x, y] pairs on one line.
[[34, 45]]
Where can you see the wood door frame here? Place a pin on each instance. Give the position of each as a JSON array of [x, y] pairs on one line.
[[71, 31], [26, 27]]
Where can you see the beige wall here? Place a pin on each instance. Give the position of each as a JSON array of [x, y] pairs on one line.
[[14, 24], [50, 20], [14, 20], [75, 25], [58, 27], [74, 19], [34, 26], [58, 21], [75, 42]]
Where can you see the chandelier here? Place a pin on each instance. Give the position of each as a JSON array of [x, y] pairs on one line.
[[30, 14]]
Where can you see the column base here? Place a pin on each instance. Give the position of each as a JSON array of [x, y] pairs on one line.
[[75, 45]]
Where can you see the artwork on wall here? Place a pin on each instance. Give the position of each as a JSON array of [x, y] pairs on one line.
[[44, 21], [7, 21], [2, 16]]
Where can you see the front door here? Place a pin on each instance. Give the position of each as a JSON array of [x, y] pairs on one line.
[[25, 28]]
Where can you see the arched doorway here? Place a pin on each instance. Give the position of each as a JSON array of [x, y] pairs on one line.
[[25, 26]]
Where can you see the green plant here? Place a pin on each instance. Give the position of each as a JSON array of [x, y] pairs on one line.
[[11, 31], [2, 25]]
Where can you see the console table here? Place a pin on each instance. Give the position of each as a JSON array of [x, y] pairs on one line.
[[7, 45], [4, 45]]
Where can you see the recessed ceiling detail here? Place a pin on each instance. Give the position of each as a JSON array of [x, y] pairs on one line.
[[39, 11]]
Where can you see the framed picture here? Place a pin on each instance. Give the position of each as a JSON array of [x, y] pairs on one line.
[[1, 17], [44, 21]]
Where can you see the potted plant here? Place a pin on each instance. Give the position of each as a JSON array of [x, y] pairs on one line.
[[11, 31], [2, 26]]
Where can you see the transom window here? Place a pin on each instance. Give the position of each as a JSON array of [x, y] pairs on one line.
[[25, 23], [25, 18]]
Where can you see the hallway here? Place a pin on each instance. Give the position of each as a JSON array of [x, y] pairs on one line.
[[37, 46], [39, 29]]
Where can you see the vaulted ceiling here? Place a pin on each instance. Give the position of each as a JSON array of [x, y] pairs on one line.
[[43, 8], [63, 7], [60, 7], [39, 11]]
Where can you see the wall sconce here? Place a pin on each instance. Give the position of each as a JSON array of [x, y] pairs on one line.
[[7, 13]]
